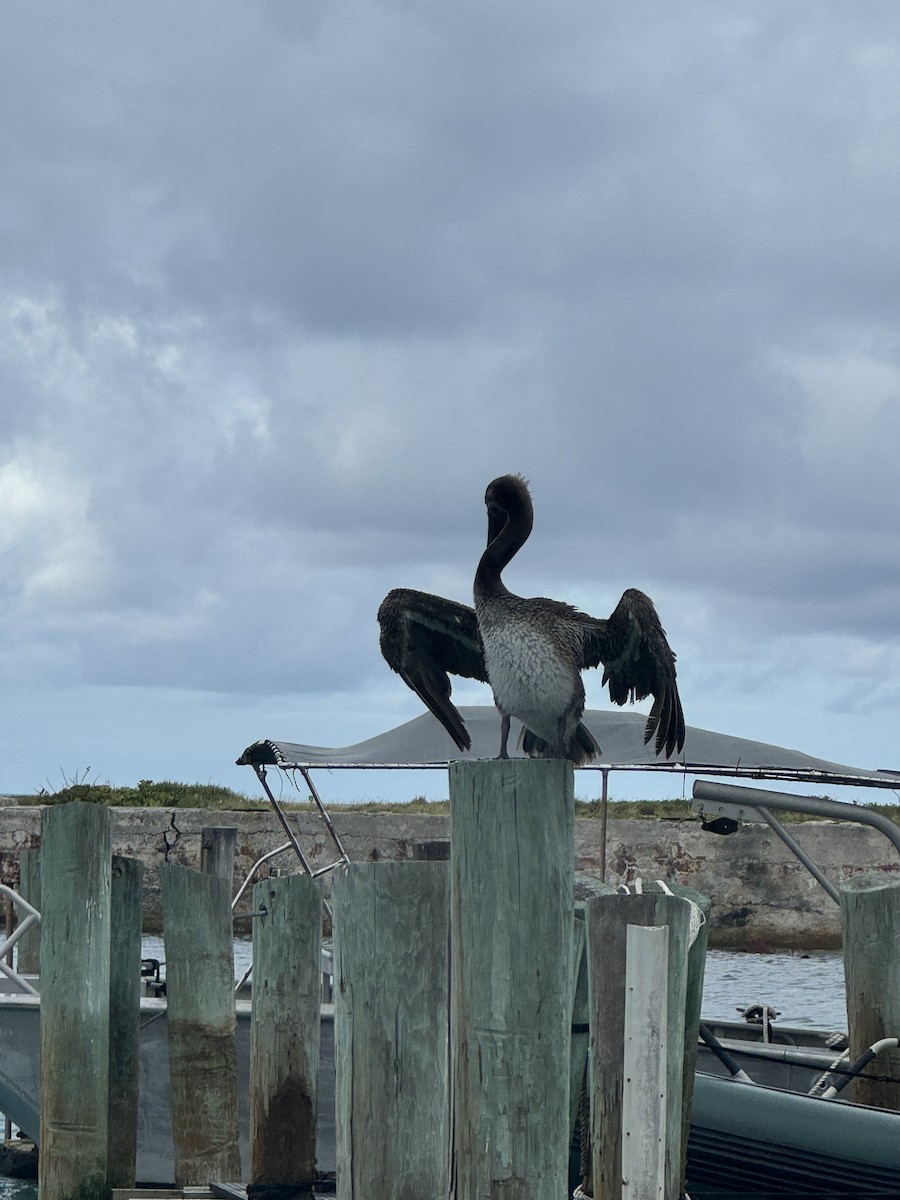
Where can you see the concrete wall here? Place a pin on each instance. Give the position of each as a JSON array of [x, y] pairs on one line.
[[761, 896]]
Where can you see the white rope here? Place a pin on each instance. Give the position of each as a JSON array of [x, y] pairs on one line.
[[697, 918]]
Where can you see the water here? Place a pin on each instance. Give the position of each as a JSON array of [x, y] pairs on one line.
[[807, 989], [17, 1189]]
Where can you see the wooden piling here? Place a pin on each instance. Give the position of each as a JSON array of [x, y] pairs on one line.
[[696, 971], [284, 1034], [217, 845], [870, 923], [29, 945], [608, 920], [124, 1018], [201, 1018], [391, 1018], [512, 884], [75, 974], [693, 1001]]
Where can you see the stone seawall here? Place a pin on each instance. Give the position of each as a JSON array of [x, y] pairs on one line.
[[761, 896]]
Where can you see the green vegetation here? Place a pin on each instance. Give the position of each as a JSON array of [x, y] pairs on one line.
[[671, 810], [166, 794], [147, 794], [418, 804]]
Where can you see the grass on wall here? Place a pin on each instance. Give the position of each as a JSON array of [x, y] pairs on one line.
[[169, 794]]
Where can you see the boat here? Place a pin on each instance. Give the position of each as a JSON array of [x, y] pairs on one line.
[[762, 1135], [20, 1081], [769, 1120]]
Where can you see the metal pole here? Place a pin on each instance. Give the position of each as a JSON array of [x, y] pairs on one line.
[[292, 839], [730, 793], [251, 874], [799, 853], [279, 812], [324, 814], [604, 815]]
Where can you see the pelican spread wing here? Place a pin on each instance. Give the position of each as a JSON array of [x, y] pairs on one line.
[[638, 662], [425, 639]]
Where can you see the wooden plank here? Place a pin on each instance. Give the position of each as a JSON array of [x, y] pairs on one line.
[[870, 922], [608, 919], [29, 945], [644, 1055], [124, 1017], [391, 1019], [512, 891], [201, 1019], [75, 972], [581, 1009], [284, 1033]]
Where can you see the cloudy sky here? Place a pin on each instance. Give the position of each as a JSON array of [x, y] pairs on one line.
[[284, 284]]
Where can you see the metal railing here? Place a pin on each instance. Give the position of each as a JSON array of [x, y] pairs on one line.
[[32, 918], [734, 803]]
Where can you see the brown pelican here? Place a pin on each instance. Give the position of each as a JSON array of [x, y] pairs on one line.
[[531, 651]]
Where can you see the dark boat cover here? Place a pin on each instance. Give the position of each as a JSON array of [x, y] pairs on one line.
[[423, 742]]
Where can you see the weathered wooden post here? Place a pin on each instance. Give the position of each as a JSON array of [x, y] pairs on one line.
[[29, 945], [696, 971], [870, 920], [693, 1002], [75, 875], [391, 1062], [217, 845], [201, 1017], [124, 1017], [608, 920], [512, 893], [284, 1035]]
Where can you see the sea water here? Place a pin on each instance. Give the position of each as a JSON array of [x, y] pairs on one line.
[[17, 1189], [807, 989]]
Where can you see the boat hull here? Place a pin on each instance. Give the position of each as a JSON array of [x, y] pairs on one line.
[[752, 1140], [20, 1083]]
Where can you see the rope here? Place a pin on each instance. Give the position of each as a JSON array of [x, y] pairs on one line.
[[697, 918]]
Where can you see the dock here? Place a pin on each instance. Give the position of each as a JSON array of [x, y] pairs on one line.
[[458, 988]]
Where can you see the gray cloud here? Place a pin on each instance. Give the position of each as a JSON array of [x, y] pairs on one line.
[[284, 287]]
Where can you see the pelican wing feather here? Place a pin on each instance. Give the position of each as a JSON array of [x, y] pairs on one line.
[[426, 639], [638, 662]]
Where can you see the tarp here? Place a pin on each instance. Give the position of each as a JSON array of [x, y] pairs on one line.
[[423, 742]]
